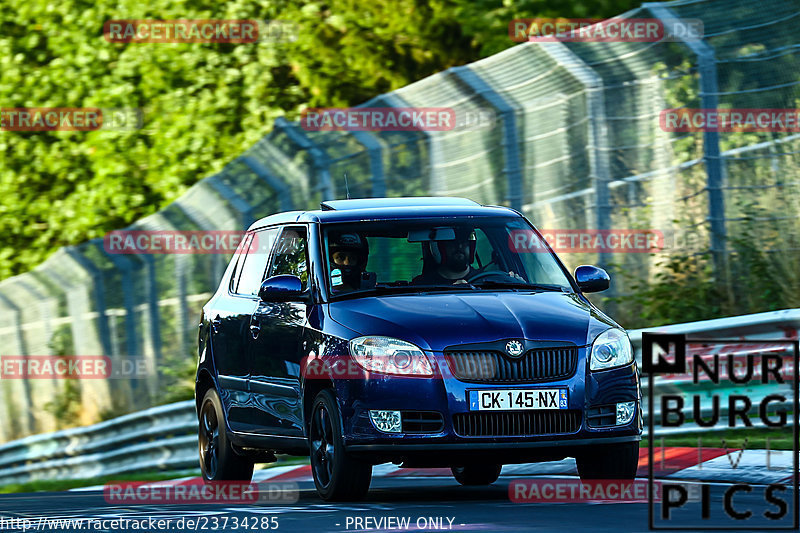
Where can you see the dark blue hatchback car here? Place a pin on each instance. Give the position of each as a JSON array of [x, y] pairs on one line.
[[428, 332]]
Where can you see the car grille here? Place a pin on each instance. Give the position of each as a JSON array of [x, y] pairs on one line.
[[422, 421], [517, 424], [541, 364], [602, 416]]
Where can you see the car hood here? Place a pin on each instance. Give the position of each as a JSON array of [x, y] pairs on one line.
[[435, 321]]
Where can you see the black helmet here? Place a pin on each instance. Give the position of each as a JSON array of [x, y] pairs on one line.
[[355, 244]]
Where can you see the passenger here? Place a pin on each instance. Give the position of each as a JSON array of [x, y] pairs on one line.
[[349, 253]]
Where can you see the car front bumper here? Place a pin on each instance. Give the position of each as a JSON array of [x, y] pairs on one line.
[[448, 397]]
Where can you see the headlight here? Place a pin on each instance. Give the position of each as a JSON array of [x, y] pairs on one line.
[[390, 356], [610, 349]]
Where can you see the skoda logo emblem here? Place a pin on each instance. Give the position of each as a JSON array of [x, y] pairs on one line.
[[514, 348]]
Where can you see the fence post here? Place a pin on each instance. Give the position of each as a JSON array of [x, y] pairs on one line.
[[512, 167], [599, 163], [28, 420], [120, 390], [709, 91], [281, 189], [125, 268], [43, 303], [318, 156], [154, 313], [98, 290], [245, 210], [59, 274], [375, 151]]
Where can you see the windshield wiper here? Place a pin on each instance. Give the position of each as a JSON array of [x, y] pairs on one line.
[[423, 288], [457, 286], [518, 285], [395, 289]]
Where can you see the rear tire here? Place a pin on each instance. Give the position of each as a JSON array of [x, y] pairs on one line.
[[610, 461], [337, 475], [480, 474], [218, 460]]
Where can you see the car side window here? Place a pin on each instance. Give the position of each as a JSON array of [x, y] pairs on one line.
[[255, 254], [238, 261], [291, 255]]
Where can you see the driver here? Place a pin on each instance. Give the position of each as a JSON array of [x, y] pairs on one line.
[[449, 261], [349, 253]]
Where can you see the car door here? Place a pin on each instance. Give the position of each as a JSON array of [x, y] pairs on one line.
[[276, 332], [224, 317], [231, 318]]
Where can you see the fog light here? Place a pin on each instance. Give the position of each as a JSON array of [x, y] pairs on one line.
[[625, 412], [387, 421]]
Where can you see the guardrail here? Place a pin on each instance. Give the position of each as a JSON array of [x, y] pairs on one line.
[[165, 437], [160, 438], [773, 325]]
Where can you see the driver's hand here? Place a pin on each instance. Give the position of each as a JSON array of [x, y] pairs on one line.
[[460, 281], [515, 275]]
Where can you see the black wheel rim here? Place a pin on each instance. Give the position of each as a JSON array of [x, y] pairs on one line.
[[209, 440], [322, 447]]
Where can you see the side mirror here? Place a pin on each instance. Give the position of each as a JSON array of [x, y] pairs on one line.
[[281, 288], [591, 278]]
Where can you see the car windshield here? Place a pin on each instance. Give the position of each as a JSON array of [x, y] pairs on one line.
[[439, 254]]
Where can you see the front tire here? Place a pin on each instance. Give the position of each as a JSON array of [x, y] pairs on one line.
[[337, 476], [480, 474], [218, 460], [611, 461]]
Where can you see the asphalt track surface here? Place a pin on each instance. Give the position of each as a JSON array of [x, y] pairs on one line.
[[457, 508]]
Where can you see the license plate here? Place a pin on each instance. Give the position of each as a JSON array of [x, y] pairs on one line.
[[517, 399]]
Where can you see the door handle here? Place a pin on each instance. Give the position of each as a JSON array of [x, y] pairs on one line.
[[215, 324]]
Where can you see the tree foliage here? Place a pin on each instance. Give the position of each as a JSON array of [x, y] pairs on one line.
[[203, 103]]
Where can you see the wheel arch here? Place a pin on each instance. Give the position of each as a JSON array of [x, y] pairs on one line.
[[203, 383], [311, 388]]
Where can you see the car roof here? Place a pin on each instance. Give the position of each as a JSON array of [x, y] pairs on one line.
[[413, 201], [386, 209]]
